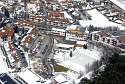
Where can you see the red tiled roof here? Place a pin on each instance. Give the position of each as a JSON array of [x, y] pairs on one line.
[[28, 39], [115, 10], [34, 31], [104, 34], [56, 14], [6, 32], [38, 3], [26, 23], [9, 31], [121, 39]]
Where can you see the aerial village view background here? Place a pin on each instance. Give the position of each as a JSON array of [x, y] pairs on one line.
[[62, 41]]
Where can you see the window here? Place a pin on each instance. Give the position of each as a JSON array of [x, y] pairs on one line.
[[108, 41], [103, 39]]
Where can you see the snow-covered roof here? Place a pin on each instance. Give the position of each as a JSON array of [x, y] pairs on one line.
[[64, 45], [11, 59], [31, 78], [3, 65], [6, 46], [99, 20], [71, 27], [66, 15], [81, 42], [57, 29], [29, 30], [60, 78], [119, 3]]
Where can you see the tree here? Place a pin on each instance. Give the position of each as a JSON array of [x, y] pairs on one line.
[[6, 13], [16, 29], [23, 30], [85, 46], [70, 53], [85, 81], [114, 72]]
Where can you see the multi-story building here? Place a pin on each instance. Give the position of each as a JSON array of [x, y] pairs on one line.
[[109, 38], [75, 33], [57, 31]]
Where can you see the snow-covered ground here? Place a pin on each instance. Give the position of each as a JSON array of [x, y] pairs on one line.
[[76, 64], [99, 20], [3, 65]]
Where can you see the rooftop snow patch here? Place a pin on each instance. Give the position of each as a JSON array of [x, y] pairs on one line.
[[57, 29], [64, 45], [60, 78], [31, 78]]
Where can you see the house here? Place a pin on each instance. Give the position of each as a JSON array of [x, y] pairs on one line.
[[64, 47], [33, 32], [24, 23], [30, 77], [121, 41], [64, 2], [38, 4], [114, 12], [57, 31], [60, 79], [27, 40], [7, 34], [109, 38], [102, 36], [10, 48], [80, 43], [37, 18], [75, 33]]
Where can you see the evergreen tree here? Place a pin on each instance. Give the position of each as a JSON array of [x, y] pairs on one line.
[[70, 53], [85, 46], [16, 29], [114, 72], [6, 13], [23, 30]]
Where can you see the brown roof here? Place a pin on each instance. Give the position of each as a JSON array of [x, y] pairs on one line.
[[28, 39], [39, 16], [11, 47], [26, 23], [34, 31], [75, 32], [57, 14], [6, 32], [38, 3], [121, 39], [64, 1], [9, 31], [104, 34], [115, 10]]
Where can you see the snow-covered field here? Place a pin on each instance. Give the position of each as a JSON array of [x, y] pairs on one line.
[[76, 64], [99, 20]]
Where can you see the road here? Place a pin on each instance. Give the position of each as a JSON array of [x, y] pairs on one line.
[[45, 61]]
